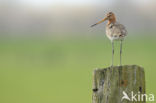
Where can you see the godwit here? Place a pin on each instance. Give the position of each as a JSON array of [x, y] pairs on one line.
[[114, 31]]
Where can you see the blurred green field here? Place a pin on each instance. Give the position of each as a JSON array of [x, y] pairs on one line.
[[41, 70]]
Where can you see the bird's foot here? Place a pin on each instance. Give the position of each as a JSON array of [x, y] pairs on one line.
[[111, 66], [120, 65]]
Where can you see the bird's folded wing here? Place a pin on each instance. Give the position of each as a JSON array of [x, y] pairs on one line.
[[119, 30]]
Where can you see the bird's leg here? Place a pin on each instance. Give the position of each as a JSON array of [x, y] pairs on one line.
[[112, 53], [120, 52]]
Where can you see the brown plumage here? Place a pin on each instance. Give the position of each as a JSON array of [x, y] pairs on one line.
[[114, 31]]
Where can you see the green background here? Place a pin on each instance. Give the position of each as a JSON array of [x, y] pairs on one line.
[[59, 70]]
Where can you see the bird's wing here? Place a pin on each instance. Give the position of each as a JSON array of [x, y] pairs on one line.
[[123, 29], [119, 30]]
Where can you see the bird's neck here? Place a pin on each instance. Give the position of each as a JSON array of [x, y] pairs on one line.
[[111, 21]]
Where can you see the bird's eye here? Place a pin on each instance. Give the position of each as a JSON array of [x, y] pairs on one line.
[[110, 13]]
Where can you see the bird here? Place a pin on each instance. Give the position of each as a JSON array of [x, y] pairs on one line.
[[114, 31]]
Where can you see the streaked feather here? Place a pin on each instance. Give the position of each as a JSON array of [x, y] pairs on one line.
[[116, 31]]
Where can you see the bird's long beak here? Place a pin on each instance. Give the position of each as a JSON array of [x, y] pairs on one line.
[[99, 22]]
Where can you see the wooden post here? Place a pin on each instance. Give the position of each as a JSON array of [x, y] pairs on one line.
[[111, 84]]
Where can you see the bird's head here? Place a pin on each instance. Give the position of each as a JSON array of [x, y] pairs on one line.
[[109, 16]]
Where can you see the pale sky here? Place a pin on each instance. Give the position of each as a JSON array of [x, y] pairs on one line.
[[67, 2], [47, 3]]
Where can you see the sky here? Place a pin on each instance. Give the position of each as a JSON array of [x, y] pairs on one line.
[[66, 2], [43, 4], [49, 2], [41, 15]]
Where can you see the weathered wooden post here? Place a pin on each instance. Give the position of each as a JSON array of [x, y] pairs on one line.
[[119, 84]]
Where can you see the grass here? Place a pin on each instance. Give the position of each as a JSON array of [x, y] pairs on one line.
[[60, 71]]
